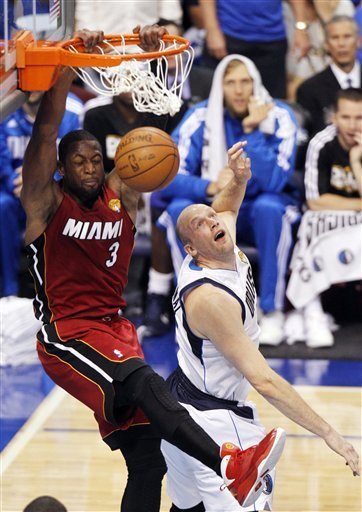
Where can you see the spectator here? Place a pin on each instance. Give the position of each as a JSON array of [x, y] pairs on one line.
[[114, 19], [318, 12], [317, 94], [255, 29], [15, 132], [358, 20], [193, 25], [270, 206], [108, 119], [45, 504], [12, 226], [329, 238], [192, 14]]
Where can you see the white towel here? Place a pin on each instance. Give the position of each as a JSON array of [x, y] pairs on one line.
[[18, 331], [214, 156], [328, 251]]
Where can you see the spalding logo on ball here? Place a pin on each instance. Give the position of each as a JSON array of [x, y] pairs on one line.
[[147, 159]]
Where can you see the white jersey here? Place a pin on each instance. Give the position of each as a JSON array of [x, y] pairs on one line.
[[214, 392], [200, 361]]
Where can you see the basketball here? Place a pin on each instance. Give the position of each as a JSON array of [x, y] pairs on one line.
[[147, 159]]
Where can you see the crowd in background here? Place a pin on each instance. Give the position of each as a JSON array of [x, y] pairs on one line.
[[272, 80]]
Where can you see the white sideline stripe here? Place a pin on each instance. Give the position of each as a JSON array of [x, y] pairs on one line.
[[31, 427], [76, 354]]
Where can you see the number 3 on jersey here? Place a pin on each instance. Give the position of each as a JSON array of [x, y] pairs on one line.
[[113, 254]]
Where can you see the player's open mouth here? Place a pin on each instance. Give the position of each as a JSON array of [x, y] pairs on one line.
[[220, 234]]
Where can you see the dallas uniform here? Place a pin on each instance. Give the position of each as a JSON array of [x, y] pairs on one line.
[[213, 391], [84, 343]]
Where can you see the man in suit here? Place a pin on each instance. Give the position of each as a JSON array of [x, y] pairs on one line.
[[317, 94]]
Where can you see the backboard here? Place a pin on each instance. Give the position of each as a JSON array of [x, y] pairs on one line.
[[52, 20]]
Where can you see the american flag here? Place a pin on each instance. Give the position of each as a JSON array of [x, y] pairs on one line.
[[54, 9]]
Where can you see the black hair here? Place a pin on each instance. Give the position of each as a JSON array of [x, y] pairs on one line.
[[45, 504], [69, 139], [351, 94]]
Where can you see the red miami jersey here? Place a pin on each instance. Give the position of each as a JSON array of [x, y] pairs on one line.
[[80, 262]]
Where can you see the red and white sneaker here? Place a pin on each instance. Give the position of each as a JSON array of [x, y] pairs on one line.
[[244, 470]]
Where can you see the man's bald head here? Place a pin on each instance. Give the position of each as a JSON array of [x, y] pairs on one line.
[[183, 222]]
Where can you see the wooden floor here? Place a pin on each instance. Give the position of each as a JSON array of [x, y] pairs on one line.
[[59, 452]]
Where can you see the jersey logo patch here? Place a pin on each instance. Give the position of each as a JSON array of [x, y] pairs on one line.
[[115, 205], [242, 257], [268, 481]]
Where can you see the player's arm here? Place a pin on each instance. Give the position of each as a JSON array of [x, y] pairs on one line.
[[40, 195], [40, 160], [215, 39], [228, 201], [205, 309]]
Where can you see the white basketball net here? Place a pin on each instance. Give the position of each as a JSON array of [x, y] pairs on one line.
[[158, 90]]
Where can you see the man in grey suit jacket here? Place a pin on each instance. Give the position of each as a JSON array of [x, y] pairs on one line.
[[317, 94]]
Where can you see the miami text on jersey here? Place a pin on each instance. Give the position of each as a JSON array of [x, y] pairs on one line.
[[93, 230]]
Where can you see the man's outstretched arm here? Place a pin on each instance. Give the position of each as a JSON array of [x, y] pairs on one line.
[[229, 199], [40, 160], [205, 310]]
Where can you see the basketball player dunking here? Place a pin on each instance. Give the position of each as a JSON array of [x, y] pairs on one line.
[[80, 235]]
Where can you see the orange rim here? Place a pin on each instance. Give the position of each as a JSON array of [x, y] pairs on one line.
[[129, 39], [45, 57]]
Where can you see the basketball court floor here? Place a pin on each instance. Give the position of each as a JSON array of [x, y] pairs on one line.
[[58, 450]]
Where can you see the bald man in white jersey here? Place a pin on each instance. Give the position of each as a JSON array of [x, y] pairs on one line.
[[217, 334]]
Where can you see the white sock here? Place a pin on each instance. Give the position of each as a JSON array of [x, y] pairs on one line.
[[158, 282], [314, 306]]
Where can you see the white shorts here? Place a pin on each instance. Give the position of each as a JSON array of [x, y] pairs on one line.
[[190, 482]]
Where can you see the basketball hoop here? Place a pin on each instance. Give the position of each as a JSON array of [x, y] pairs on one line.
[[155, 86]]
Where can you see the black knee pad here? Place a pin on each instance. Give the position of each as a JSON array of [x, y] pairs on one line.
[[159, 389], [148, 390]]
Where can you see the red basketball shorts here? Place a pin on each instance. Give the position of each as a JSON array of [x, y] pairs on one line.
[[84, 357]]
